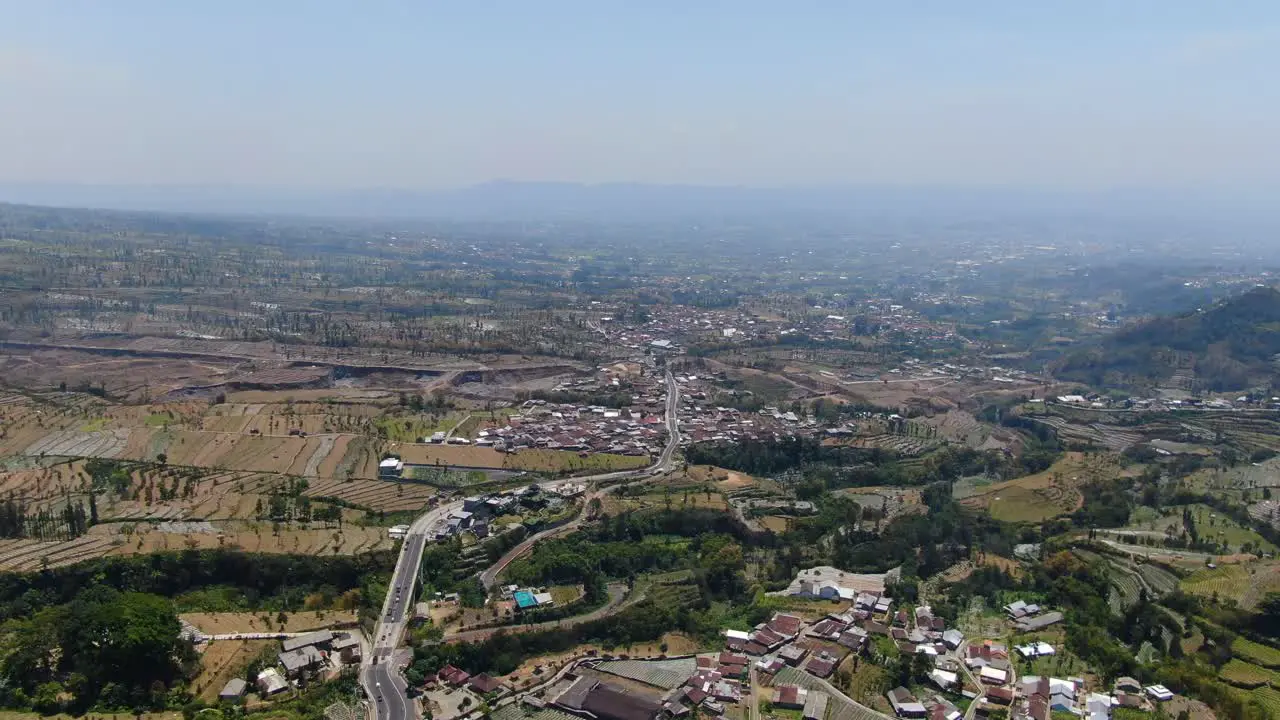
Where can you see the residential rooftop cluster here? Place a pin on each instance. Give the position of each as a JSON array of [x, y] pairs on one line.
[[315, 655]]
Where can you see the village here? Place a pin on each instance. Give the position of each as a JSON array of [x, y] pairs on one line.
[[791, 667]]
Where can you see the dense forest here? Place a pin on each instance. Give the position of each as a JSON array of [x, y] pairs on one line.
[[118, 649]]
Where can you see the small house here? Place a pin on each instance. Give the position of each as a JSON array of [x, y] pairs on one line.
[[233, 690]]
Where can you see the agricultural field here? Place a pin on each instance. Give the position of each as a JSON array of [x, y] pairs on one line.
[[1257, 653], [1045, 495], [257, 537], [1062, 664], [562, 461], [1209, 523], [1247, 675], [675, 492], [1245, 583], [1269, 698], [25, 555], [222, 660]]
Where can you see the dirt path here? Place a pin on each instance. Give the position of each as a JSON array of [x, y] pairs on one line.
[[317, 457], [454, 429]]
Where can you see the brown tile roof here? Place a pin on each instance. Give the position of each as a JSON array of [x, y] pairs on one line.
[[484, 683], [1000, 695]]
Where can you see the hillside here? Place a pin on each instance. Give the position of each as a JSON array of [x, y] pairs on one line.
[[1226, 347]]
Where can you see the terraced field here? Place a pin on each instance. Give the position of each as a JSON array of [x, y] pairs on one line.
[[1045, 495], [27, 555], [73, 443], [1246, 583], [1269, 698], [1253, 652], [1127, 589], [1246, 675], [1161, 581], [374, 494], [901, 444], [1111, 437]]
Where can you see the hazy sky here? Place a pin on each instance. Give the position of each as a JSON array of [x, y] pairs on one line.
[[420, 94]]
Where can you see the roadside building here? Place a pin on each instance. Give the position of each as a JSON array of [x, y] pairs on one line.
[[301, 660], [319, 637]]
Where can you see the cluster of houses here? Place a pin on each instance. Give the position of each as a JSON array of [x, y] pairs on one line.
[[453, 677], [787, 642], [1029, 617], [1096, 401], [301, 658], [637, 430]]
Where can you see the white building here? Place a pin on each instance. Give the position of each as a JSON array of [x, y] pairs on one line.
[[270, 682]]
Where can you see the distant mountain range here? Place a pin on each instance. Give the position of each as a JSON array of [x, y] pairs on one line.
[[506, 200], [1227, 347]]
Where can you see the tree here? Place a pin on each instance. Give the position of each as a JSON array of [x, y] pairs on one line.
[[46, 698]]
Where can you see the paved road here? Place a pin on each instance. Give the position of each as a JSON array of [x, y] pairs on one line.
[[380, 674]]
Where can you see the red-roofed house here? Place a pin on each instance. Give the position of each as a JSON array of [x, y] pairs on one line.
[[788, 625]]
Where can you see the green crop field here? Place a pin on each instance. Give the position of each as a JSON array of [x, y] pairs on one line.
[[1228, 581], [1269, 699], [1246, 675], [1264, 655]]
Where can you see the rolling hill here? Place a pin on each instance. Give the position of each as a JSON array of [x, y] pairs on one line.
[[1227, 347]]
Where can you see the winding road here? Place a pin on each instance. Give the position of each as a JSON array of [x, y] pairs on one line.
[[381, 673]]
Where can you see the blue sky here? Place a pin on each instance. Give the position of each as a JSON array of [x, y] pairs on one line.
[[418, 94]]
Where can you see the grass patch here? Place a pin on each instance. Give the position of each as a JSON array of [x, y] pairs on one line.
[[156, 420], [408, 428], [97, 425], [869, 684], [565, 594]]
